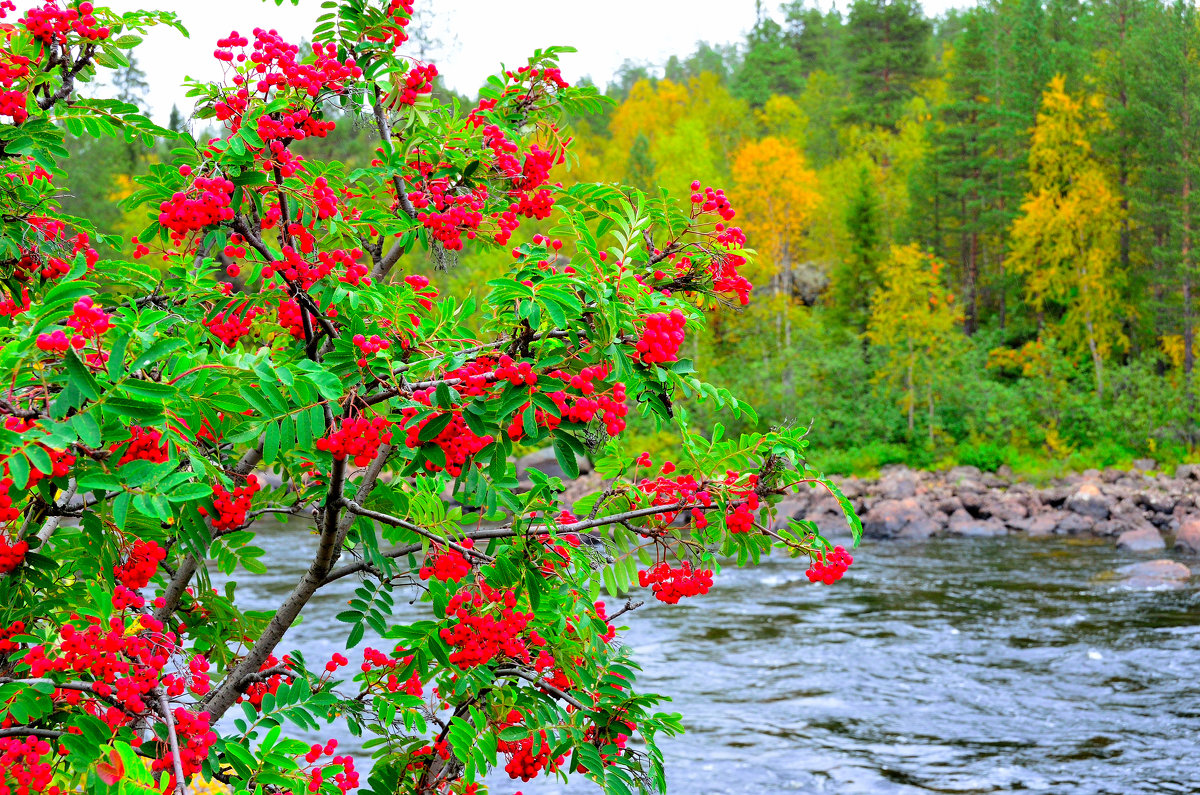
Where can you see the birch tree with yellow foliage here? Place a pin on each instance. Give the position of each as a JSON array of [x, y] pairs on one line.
[[1066, 242], [778, 196], [915, 321]]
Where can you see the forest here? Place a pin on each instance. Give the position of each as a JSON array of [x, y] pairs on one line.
[[975, 231]]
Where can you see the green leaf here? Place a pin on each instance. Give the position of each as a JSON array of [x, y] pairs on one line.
[[566, 457]]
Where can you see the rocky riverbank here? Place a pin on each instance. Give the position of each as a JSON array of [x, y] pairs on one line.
[[1140, 510]]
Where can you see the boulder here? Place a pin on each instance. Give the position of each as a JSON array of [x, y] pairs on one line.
[[889, 518], [1115, 527], [960, 473], [1188, 472], [1089, 501], [1043, 524], [973, 502], [1073, 523], [1145, 464], [963, 524], [948, 505], [1143, 539], [1159, 502], [1188, 537], [897, 484], [1006, 509], [1154, 574]]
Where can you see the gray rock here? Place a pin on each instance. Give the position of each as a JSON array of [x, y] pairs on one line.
[[1145, 464], [1188, 537], [963, 524], [992, 481], [1188, 472], [1154, 574], [1114, 527], [1006, 509], [1158, 501], [1143, 539], [959, 473], [1073, 523], [890, 517], [1043, 524], [1089, 501], [973, 502], [948, 505], [897, 484]]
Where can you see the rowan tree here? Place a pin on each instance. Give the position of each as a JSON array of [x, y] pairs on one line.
[[275, 349]]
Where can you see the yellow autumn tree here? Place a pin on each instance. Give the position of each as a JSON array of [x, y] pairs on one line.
[[915, 322], [1066, 242], [776, 195]]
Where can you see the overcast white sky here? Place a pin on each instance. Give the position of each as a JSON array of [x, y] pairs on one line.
[[485, 33]]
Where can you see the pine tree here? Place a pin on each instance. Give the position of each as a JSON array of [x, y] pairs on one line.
[[769, 66], [856, 275], [887, 49]]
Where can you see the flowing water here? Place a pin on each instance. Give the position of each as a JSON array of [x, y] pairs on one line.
[[959, 666]]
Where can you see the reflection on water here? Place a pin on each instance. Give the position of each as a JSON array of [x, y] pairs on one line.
[[961, 666]]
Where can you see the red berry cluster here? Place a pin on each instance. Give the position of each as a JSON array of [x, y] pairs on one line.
[[670, 585], [527, 757], [88, 321], [516, 374], [448, 216], [295, 268], [457, 442], [124, 667], [195, 738], [9, 307], [664, 490], [140, 564], [51, 23], [39, 254], [234, 323], [662, 337], [488, 627], [740, 519], [324, 197], [288, 315], [337, 661], [26, 767], [375, 660], [828, 567], [712, 200], [7, 512], [260, 688], [399, 13], [608, 409], [419, 81], [368, 346], [14, 105], [12, 630], [144, 444], [449, 565], [231, 507], [12, 554], [345, 780], [359, 439], [207, 202]]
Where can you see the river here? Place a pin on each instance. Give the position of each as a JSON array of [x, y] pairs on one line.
[[960, 666]]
